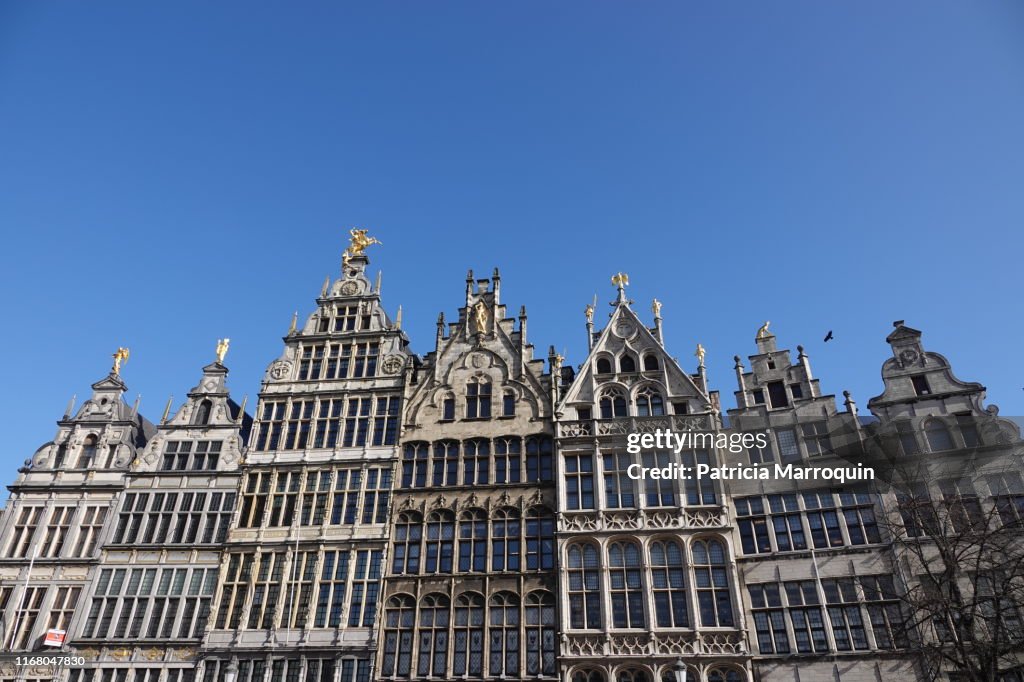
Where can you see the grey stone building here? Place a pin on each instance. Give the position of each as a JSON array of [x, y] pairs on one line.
[[150, 597], [470, 590], [646, 567], [56, 521], [298, 593]]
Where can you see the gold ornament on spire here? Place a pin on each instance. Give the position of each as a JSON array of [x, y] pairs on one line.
[[358, 242], [620, 280], [589, 310], [700, 355], [121, 355], [222, 349], [762, 331]]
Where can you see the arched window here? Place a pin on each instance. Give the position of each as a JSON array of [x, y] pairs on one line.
[[584, 570], [414, 465], [627, 363], [632, 675], [669, 584], [540, 539], [588, 676], [668, 674], [203, 413], [507, 459], [448, 407], [649, 403], [540, 633], [478, 399], [505, 540], [440, 541], [476, 455], [503, 635], [711, 580], [468, 653], [938, 436], [508, 404], [627, 590], [473, 541], [613, 404], [650, 363], [399, 618], [446, 463], [88, 452], [604, 366], [724, 675], [408, 533], [538, 459], [433, 636]]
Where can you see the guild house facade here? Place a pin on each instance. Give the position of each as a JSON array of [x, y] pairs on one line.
[[481, 513]]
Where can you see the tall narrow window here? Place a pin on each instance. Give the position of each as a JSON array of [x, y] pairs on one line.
[[414, 465], [659, 492], [446, 463], [844, 612], [627, 593], [669, 584], [938, 436], [399, 619], [805, 615], [88, 452], [711, 580], [433, 636], [508, 406], [505, 543], [777, 394], [699, 490], [507, 459], [408, 534], [448, 407], [476, 456], [540, 633], [618, 486], [540, 539], [473, 541], [468, 650], [769, 618], [584, 589], [331, 598], [440, 542], [538, 459], [921, 385], [503, 633]]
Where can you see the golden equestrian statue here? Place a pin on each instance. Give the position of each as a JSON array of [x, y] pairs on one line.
[[121, 355], [222, 349], [762, 332], [358, 243]]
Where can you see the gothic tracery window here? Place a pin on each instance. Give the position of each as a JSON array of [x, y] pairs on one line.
[[540, 539], [408, 534], [625, 569], [476, 455], [440, 542], [473, 541], [432, 647], [468, 633], [613, 404], [478, 399], [505, 542], [711, 581], [540, 633], [503, 634], [584, 572], [668, 584], [649, 403], [507, 459]]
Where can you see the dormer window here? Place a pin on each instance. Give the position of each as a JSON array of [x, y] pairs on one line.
[[478, 399], [758, 395], [650, 363], [921, 385], [796, 390], [627, 363], [604, 366], [203, 413], [777, 394], [88, 452]]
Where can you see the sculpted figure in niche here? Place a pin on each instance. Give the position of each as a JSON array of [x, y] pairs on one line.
[[480, 317]]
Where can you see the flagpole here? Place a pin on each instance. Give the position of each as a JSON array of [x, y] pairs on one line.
[[24, 591]]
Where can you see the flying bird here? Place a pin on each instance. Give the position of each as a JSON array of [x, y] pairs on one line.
[[828, 337]]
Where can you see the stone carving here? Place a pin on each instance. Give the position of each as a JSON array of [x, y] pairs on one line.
[[280, 370], [574, 429], [350, 288], [392, 364]]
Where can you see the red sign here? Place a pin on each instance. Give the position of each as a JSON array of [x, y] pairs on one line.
[[54, 638]]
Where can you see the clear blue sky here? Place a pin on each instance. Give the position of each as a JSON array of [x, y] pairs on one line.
[[177, 173]]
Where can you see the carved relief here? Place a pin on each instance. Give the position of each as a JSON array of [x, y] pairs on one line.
[[280, 370]]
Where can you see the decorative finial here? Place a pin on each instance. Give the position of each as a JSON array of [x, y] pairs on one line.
[[327, 285], [295, 321], [358, 242], [656, 307], [398, 318], [762, 331], [620, 280], [241, 410], [120, 356], [700, 355], [167, 410], [222, 349]]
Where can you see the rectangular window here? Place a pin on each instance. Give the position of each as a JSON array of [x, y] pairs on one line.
[[659, 492], [759, 455], [89, 530], [769, 619], [796, 391], [56, 531], [844, 614], [858, 510], [823, 520], [806, 617], [27, 521], [618, 486], [365, 588], [758, 395], [786, 523], [698, 490], [921, 385], [777, 394], [816, 438], [579, 481], [884, 611], [753, 525], [789, 449], [332, 590]]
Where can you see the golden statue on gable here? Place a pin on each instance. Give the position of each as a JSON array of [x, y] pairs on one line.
[[762, 332], [358, 242], [222, 349], [120, 356]]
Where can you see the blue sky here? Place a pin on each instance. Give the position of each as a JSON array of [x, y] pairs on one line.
[[175, 173]]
